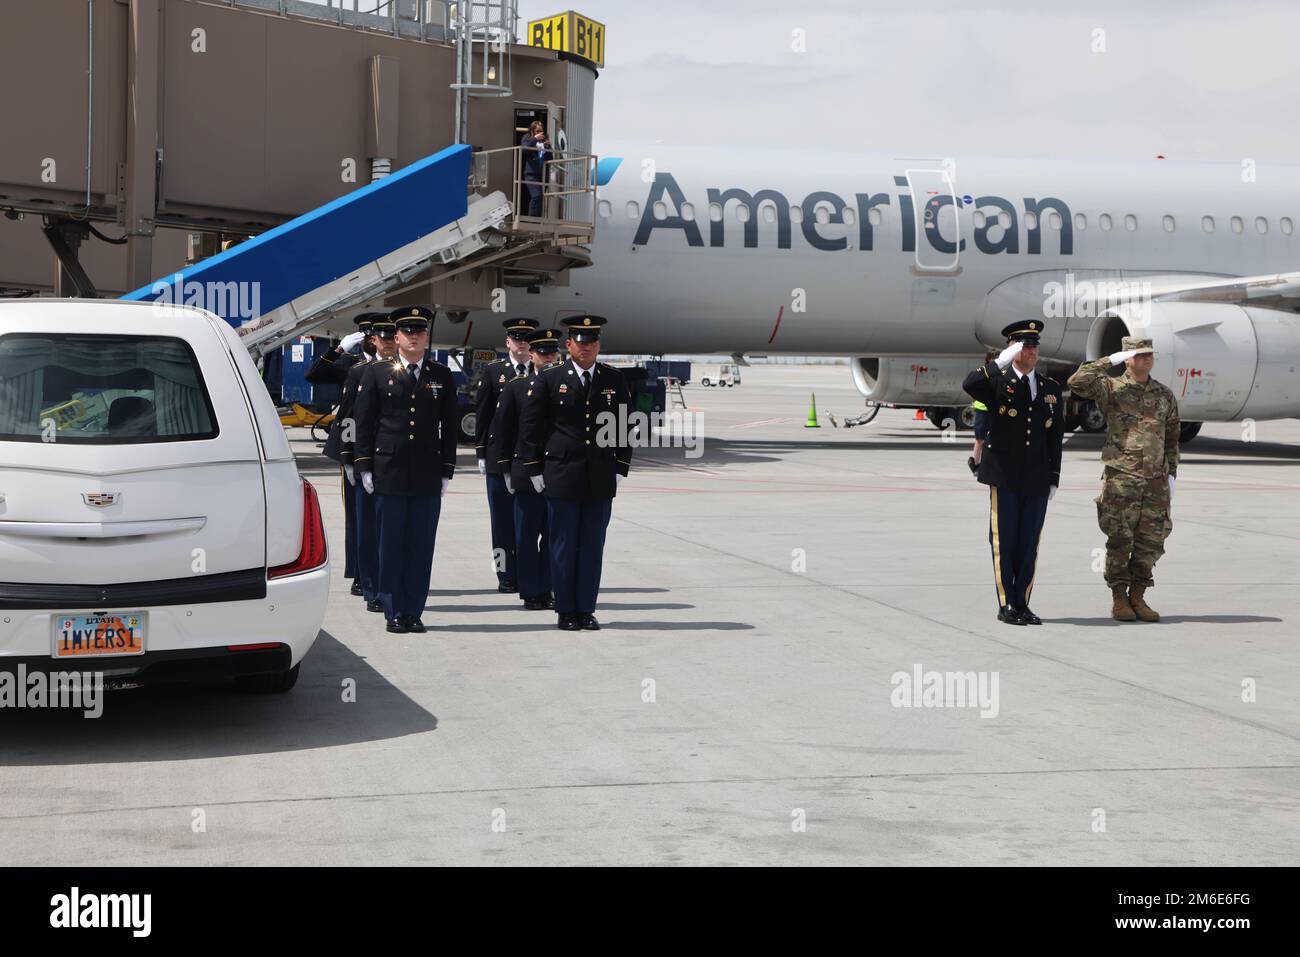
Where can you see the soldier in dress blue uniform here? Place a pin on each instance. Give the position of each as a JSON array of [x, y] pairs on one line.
[[573, 453], [492, 380], [332, 368], [367, 527], [1021, 462], [406, 416], [532, 544]]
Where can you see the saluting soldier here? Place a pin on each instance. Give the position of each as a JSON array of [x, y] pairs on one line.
[[492, 381], [325, 368], [573, 448], [532, 553], [1141, 461], [331, 366], [367, 528], [1021, 462], [406, 454]]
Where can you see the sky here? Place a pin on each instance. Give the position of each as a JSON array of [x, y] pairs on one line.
[[1189, 79]]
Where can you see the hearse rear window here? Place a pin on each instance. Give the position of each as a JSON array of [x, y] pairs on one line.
[[101, 390]]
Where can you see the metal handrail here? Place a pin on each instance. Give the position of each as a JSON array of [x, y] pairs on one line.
[[568, 175], [429, 14]]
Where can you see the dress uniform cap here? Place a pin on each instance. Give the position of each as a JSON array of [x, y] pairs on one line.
[[544, 340], [584, 328], [412, 317], [1137, 344], [1023, 330], [365, 320], [383, 328], [520, 328]]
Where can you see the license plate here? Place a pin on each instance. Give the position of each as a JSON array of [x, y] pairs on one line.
[[99, 636]]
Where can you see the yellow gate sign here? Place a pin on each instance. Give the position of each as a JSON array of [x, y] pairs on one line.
[[570, 32]]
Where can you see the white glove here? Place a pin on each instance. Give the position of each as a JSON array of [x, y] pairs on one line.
[[445, 483], [538, 483], [350, 341], [482, 466], [1051, 494], [509, 488], [1171, 488], [368, 482], [1119, 358], [618, 480], [1010, 352], [351, 474]]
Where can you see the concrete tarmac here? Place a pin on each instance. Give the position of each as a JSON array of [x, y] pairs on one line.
[[765, 605]]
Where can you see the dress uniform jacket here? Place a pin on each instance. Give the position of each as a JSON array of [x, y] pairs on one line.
[[495, 377], [331, 368], [558, 434], [1023, 450], [406, 431], [336, 447], [504, 438]]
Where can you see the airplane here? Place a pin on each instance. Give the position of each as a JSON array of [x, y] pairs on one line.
[[911, 265]]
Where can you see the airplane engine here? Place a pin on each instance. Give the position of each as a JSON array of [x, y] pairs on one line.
[[913, 381], [1223, 361]]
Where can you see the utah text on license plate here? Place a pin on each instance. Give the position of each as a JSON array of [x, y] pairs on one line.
[[86, 636]]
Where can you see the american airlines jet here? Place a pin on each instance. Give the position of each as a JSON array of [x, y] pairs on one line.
[[912, 264]]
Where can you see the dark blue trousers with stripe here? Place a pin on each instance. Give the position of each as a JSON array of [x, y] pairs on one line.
[[577, 533], [532, 546], [367, 541], [501, 515], [1015, 524], [349, 527], [408, 526]]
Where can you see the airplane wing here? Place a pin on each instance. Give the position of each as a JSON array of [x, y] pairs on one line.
[[1278, 291]]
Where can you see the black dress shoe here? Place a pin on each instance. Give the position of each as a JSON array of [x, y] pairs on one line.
[[415, 625], [507, 588], [397, 627], [535, 604], [1010, 615], [375, 605], [356, 587], [1028, 617], [588, 623], [567, 623]]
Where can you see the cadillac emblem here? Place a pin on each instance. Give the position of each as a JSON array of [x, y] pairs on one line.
[[101, 499]]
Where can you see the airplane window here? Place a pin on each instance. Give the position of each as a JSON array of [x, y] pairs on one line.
[[796, 214], [978, 218], [688, 212], [849, 217], [1054, 219], [715, 212], [1286, 225], [1130, 222], [823, 214], [742, 212], [633, 209], [661, 210], [875, 217], [1207, 223], [1004, 219], [1168, 223], [605, 209], [1080, 222], [1104, 221], [769, 213], [1261, 224], [1031, 221], [1237, 224]]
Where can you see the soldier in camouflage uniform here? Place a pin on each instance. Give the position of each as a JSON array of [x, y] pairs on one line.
[[1141, 459]]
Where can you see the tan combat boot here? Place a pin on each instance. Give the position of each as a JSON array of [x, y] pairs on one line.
[[1121, 610], [1140, 607]]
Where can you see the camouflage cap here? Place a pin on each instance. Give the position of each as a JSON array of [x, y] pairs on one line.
[[1137, 344]]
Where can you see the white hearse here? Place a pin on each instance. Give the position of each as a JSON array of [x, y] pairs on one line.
[[153, 524]]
